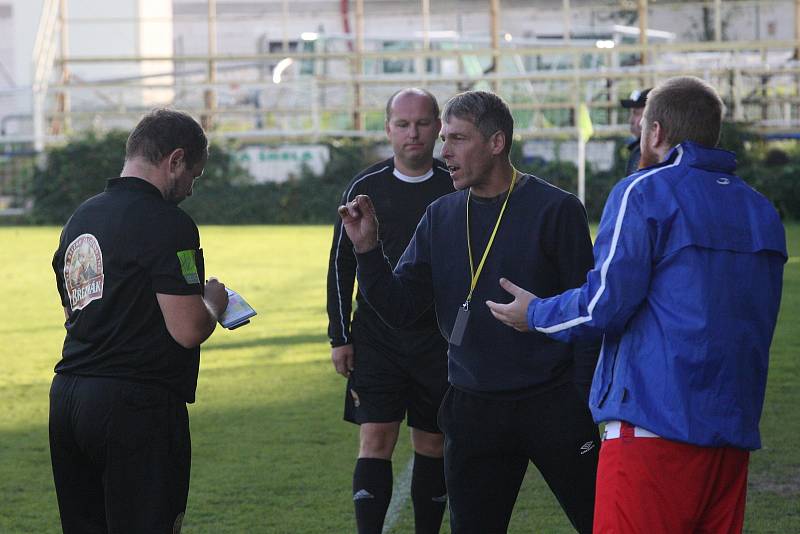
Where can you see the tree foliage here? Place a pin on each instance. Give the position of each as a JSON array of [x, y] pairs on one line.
[[226, 194], [79, 169]]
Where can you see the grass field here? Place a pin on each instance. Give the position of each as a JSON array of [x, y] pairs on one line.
[[270, 452]]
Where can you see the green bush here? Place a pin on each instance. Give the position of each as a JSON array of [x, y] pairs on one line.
[[780, 184], [310, 199], [564, 174], [75, 172], [79, 169], [770, 167], [226, 194]]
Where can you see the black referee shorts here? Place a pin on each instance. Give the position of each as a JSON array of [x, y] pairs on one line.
[[489, 442], [121, 456], [394, 377]]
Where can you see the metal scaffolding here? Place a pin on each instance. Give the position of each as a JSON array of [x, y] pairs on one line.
[[332, 90]]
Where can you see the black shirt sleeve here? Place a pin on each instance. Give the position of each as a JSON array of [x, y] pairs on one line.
[[575, 260], [402, 296], [169, 251], [58, 266], [341, 280]]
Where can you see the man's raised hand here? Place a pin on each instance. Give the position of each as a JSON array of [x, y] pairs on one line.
[[515, 313], [360, 223]]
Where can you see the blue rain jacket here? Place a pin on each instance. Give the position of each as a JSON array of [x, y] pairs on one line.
[[685, 290]]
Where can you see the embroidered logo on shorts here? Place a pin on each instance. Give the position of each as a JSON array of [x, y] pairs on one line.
[[362, 494], [586, 447], [176, 527], [83, 271], [189, 266], [356, 400]]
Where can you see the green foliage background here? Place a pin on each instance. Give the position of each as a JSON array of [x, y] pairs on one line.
[[308, 199], [226, 194], [79, 169]]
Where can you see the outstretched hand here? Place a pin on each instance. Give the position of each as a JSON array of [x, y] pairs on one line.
[[515, 313], [360, 223]]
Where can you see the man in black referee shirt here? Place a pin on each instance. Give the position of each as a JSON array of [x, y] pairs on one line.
[[390, 372], [129, 271]]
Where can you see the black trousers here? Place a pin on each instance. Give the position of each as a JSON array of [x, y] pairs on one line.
[[121, 456], [489, 442]]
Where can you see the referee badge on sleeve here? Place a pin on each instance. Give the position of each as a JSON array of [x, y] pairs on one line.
[[189, 266]]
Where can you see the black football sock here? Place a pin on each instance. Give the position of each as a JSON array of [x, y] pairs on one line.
[[372, 491], [428, 493]]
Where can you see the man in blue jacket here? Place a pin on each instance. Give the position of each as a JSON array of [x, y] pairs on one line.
[[685, 292]]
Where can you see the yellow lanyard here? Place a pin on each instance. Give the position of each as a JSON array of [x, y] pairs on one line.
[[472, 271]]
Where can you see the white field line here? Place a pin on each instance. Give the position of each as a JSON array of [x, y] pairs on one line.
[[400, 494]]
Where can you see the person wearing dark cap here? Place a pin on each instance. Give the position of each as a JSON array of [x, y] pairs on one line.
[[635, 103]]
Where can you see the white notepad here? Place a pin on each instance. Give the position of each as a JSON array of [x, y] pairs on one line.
[[237, 313]]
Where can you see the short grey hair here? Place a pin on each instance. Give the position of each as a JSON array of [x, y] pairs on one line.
[[487, 111]]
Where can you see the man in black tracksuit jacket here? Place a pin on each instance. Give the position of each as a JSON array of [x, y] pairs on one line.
[[513, 396], [393, 373]]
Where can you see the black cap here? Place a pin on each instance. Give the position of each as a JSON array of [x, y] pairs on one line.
[[637, 99]]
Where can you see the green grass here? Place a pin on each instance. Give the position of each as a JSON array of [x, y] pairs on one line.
[[270, 451]]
